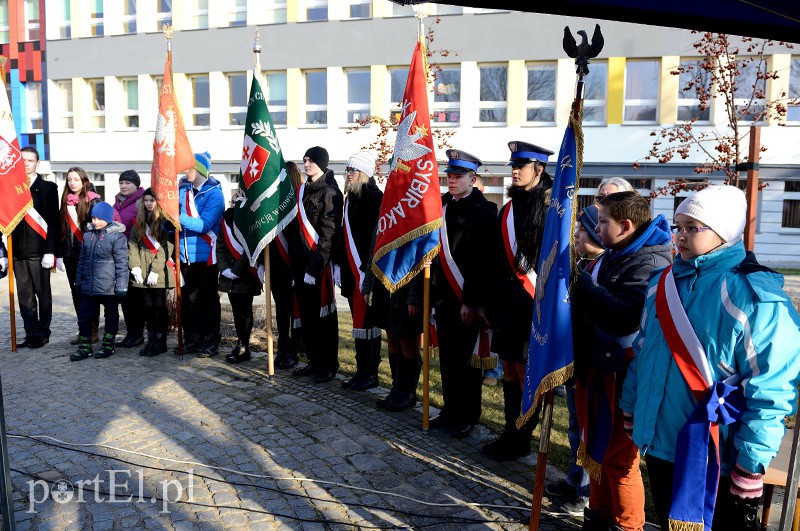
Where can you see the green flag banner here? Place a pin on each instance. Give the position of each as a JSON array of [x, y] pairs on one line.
[[268, 202]]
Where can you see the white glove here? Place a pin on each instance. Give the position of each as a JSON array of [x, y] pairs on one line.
[[337, 275], [308, 279], [3, 263], [183, 282], [136, 273], [261, 273], [60, 264], [230, 274], [48, 261], [152, 278]]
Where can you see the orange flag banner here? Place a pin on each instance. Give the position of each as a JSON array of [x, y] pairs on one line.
[[14, 187], [172, 153]]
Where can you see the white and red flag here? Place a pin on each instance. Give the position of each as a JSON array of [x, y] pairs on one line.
[[14, 186]]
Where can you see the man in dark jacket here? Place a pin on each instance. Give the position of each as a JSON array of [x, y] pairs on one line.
[[460, 294], [35, 244], [320, 222]]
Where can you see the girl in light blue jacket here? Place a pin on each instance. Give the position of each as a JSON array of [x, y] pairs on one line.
[[723, 339]]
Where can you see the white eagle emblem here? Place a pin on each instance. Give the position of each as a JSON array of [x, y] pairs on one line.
[[9, 156], [406, 147], [165, 133]]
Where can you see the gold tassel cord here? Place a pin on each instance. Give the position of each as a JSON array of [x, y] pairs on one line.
[[679, 525]]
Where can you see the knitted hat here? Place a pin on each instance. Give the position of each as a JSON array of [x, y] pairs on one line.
[[363, 161], [131, 176], [202, 163], [149, 192], [723, 208], [103, 211], [319, 155], [588, 219]]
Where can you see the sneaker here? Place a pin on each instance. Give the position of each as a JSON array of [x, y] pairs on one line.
[[573, 506], [562, 489], [560, 391]]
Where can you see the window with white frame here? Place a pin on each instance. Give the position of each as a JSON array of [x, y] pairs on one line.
[[316, 97], [3, 22], [201, 101], [198, 14], [694, 80], [34, 122], [447, 96], [163, 13], [237, 98], [129, 17], [96, 18], [540, 106], [493, 98], [360, 8], [793, 113], [316, 10], [130, 107], [61, 117], [61, 20], [750, 89], [791, 204], [97, 115], [594, 94], [358, 95], [398, 77], [276, 97], [642, 79], [237, 13], [32, 22], [275, 12]]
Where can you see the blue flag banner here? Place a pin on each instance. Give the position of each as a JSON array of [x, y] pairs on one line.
[[550, 351]]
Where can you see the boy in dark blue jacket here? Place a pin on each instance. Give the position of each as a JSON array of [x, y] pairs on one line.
[[102, 278]]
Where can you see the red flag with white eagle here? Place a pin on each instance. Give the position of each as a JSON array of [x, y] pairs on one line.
[[14, 186], [172, 153]]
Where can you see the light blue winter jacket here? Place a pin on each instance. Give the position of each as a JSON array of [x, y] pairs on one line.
[[210, 205], [748, 326]]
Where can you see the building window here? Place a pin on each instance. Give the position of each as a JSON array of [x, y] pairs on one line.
[[201, 101], [237, 13], [130, 110], [594, 94], [237, 99], [32, 23], [360, 8], [317, 98], [163, 13], [793, 114], [61, 19], [541, 103], [275, 12], [62, 106], [693, 79], [33, 107], [198, 14], [493, 94], [316, 10], [3, 22], [641, 91], [96, 17], [398, 77], [750, 89], [791, 205], [129, 17], [97, 116], [276, 97], [447, 96], [358, 95]]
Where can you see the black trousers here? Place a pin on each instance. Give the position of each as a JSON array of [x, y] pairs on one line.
[[283, 293], [34, 296], [200, 301], [133, 310], [461, 382], [90, 311], [242, 308], [71, 266], [154, 304], [320, 334]]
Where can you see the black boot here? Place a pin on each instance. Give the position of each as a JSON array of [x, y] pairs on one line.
[[132, 339], [594, 521], [394, 358], [370, 379], [151, 338], [238, 354], [512, 443], [363, 355], [84, 349], [159, 344], [408, 369], [208, 347], [107, 347]]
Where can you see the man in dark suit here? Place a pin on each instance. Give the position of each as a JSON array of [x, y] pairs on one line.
[[34, 245]]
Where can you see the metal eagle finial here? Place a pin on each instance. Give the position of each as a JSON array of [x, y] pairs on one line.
[[584, 51]]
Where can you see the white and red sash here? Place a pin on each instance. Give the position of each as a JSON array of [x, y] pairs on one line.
[[360, 330], [283, 249], [528, 280], [236, 249], [153, 246], [327, 300], [72, 223], [481, 353], [36, 222], [209, 237]]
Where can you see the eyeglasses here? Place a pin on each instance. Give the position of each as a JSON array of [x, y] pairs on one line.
[[350, 170], [687, 230]]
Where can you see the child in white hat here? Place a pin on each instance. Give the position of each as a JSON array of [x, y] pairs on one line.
[[716, 363]]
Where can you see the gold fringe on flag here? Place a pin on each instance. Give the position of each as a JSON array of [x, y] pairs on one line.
[[422, 230], [592, 467], [679, 525], [551, 381], [8, 229], [483, 363]]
